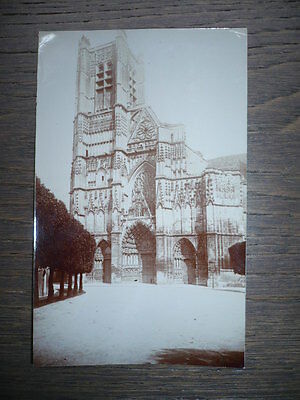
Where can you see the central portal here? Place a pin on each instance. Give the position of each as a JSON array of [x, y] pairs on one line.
[[138, 254]]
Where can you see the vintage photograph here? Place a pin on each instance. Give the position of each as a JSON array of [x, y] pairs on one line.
[[140, 200]]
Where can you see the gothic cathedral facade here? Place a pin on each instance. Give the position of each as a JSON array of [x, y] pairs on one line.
[[159, 212]]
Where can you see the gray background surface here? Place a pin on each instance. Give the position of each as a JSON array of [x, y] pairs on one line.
[[272, 352]]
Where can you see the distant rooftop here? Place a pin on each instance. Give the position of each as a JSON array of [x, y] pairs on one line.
[[235, 162]]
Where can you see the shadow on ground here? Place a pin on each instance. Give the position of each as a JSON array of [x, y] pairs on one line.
[[56, 297], [208, 358]]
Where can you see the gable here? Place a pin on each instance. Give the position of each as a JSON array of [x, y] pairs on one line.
[[143, 127]]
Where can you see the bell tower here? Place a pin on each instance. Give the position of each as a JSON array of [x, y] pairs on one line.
[[109, 87]]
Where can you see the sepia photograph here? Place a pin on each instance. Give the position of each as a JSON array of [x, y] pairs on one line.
[[141, 198]]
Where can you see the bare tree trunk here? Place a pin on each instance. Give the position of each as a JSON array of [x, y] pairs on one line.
[[80, 282], [69, 285], [75, 283], [62, 284], [51, 289]]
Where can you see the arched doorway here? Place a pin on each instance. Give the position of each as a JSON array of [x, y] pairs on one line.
[[102, 264], [138, 254], [184, 262]]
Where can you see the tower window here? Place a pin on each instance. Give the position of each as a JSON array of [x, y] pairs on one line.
[[104, 84], [102, 178], [86, 153]]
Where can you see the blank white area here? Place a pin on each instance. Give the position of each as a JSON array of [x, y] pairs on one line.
[[128, 324]]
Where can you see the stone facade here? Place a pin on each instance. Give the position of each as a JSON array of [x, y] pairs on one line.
[[159, 211]]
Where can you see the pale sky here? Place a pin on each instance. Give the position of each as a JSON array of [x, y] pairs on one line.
[[197, 77]]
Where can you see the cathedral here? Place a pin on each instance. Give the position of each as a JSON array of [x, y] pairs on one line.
[[158, 210]]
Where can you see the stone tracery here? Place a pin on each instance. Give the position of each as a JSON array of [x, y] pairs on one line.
[[143, 195], [130, 168]]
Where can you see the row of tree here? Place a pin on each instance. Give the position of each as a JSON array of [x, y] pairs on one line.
[[62, 243]]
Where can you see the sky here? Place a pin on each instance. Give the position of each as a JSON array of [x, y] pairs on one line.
[[197, 77]]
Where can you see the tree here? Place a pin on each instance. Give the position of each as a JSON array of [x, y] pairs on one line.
[[62, 243], [47, 215], [237, 254], [84, 253]]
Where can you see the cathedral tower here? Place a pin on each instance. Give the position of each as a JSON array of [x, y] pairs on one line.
[[158, 211]]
